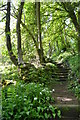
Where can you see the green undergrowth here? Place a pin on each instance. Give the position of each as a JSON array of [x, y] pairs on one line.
[[62, 57], [10, 72], [74, 75], [44, 74], [30, 101], [30, 98]]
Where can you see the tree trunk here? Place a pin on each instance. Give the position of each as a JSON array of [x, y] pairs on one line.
[[40, 47], [79, 41], [18, 30], [8, 38]]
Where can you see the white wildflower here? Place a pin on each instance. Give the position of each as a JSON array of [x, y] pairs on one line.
[[35, 98], [43, 90], [40, 93], [50, 91], [24, 99], [47, 91], [47, 98], [22, 85], [16, 95], [53, 90]]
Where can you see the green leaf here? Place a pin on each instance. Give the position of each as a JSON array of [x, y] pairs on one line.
[[46, 116], [27, 113], [59, 113], [38, 108], [8, 33]]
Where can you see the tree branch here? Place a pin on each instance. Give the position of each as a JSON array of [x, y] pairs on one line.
[[25, 26], [3, 6], [70, 10], [2, 18], [2, 32], [3, 9]]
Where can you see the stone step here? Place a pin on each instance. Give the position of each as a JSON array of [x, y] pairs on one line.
[[61, 71], [60, 75], [63, 68], [68, 118], [61, 64], [62, 79], [69, 112]]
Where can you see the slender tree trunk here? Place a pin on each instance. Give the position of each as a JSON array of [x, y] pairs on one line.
[[50, 49], [18, 30], [57, 45], [79, 41], [40, 47], [63, 40], [8, 38]]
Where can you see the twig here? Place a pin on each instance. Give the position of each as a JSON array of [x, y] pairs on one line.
[[2, 32]]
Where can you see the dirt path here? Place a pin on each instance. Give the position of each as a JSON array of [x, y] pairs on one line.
[[66, 101], [63, 95]]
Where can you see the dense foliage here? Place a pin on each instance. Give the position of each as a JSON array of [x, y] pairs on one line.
[[43, 74], [27, 101], [74, 75]]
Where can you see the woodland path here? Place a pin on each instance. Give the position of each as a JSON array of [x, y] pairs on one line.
[[64, 99]]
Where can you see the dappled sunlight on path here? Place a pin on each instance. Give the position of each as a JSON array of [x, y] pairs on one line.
[[63, 95], [66, 101]]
